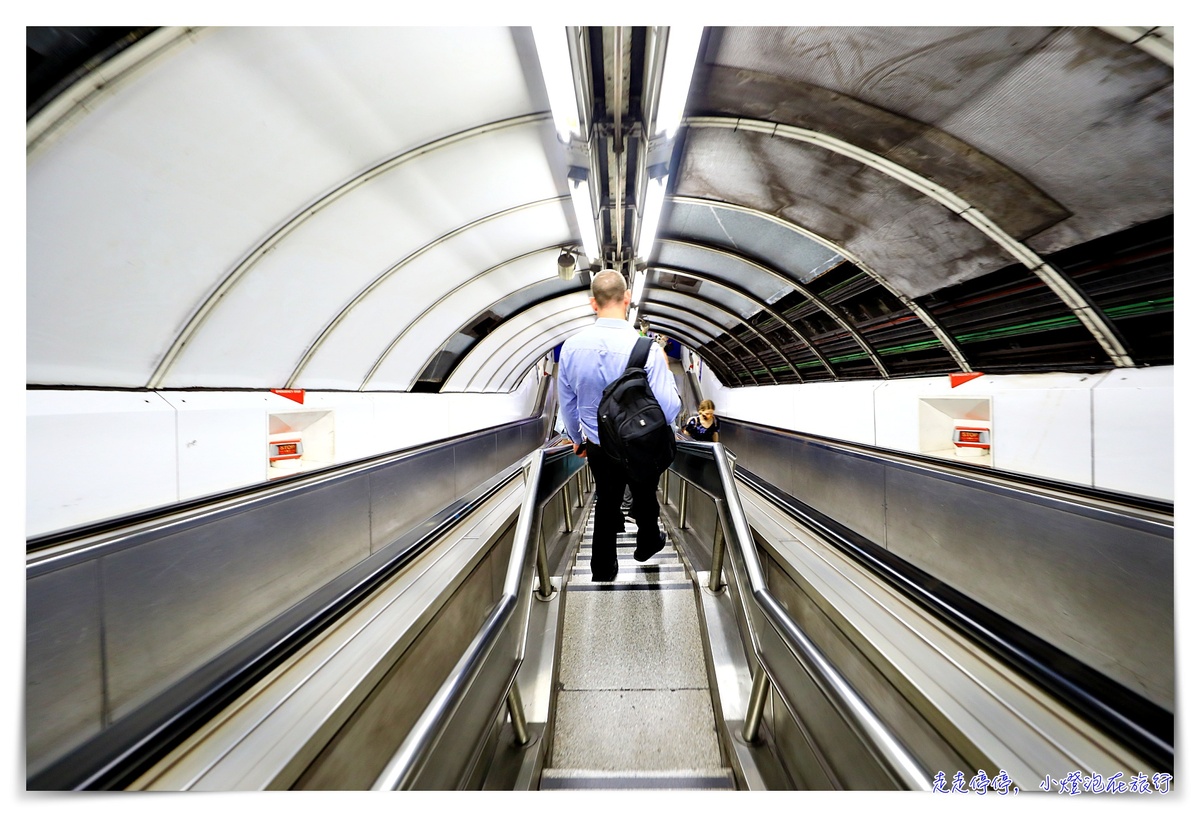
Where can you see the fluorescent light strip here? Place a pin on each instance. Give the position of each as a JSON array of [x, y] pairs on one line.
[[656, 192], [555, 60], [639, 284], [682, 44], [581, 198]]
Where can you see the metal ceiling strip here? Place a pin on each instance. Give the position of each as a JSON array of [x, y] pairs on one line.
[[686, 332], [515, 373], [552, 317], [1062, 286], [816, 299], [77, 99], [713, 335], [1157, 41], [738, 321], [269, 243], [403, 332], [386, 274], [722, 308], [766, 307], [533, 305]]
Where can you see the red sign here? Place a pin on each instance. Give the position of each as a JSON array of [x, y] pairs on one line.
[[959, 378], [291, 394]]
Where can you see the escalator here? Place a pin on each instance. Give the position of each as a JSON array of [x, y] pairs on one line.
[[755, 655]]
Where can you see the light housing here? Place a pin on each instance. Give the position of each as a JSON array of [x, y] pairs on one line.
[[581, 199], [683, 43], [656, 193], [566, 265], [554, 58]]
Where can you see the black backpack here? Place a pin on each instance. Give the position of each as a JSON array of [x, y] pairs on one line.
[[633, 429]]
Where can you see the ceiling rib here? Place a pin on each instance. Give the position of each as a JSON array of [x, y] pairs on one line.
[[817, 300], [1094, 320], [750, 296], [515, 372], [678, 332], [695, 335], [713, 335], [390, 271], [574, 307], [250, 259], [741, 321], [435, 304], [510, 317]]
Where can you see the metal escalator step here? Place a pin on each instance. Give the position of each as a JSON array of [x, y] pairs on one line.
[[554, 779]]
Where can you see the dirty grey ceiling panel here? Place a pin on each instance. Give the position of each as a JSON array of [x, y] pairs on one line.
[[744, 234], [888, 225]]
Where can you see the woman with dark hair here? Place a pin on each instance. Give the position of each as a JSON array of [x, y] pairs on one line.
[[704, 425]]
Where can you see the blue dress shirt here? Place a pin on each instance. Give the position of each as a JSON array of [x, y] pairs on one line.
[[591, 360]]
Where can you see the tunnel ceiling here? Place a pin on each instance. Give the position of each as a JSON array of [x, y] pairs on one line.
[[383, 209]]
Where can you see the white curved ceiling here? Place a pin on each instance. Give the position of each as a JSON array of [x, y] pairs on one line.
[[381, 208]]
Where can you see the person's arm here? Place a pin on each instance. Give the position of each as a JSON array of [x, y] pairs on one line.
[[568, 406], [662, 383]]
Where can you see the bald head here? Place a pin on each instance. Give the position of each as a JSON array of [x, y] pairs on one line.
[[608, 288]]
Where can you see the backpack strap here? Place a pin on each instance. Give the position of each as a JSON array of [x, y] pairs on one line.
[[640, 354]]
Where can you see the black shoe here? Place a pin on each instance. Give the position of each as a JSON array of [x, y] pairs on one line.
[[606, 577], [643, 552]]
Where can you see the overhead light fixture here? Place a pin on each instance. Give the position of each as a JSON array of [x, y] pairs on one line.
[[656, 193], [566, 265], [555, 60], [581, 198], [683, 43]]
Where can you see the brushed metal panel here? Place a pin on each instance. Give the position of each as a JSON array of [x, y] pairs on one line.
[[842, 751], [174, 602], [407, 492], [360, 751], [451, 760], [1099, 589], [794, 750], [64, 686], [862, 671], [474, 461], [844, 486]]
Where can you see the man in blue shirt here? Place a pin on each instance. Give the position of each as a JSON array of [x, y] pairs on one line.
[[588, 362]]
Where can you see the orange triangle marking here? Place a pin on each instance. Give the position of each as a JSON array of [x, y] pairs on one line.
[[292, 394], [963, 377]]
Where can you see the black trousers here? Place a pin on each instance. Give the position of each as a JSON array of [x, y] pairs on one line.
[[611, 479]]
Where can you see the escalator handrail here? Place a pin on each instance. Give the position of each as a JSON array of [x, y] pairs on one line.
[[406, 764], [858, 714]]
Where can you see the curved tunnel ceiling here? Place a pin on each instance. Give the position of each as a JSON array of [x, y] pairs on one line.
[[381, 209]]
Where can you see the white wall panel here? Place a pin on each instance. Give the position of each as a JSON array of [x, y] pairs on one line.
[[1135, 432], [94, 455], [1111, 431], [221, 441], [844, 411], [1044, 431]]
